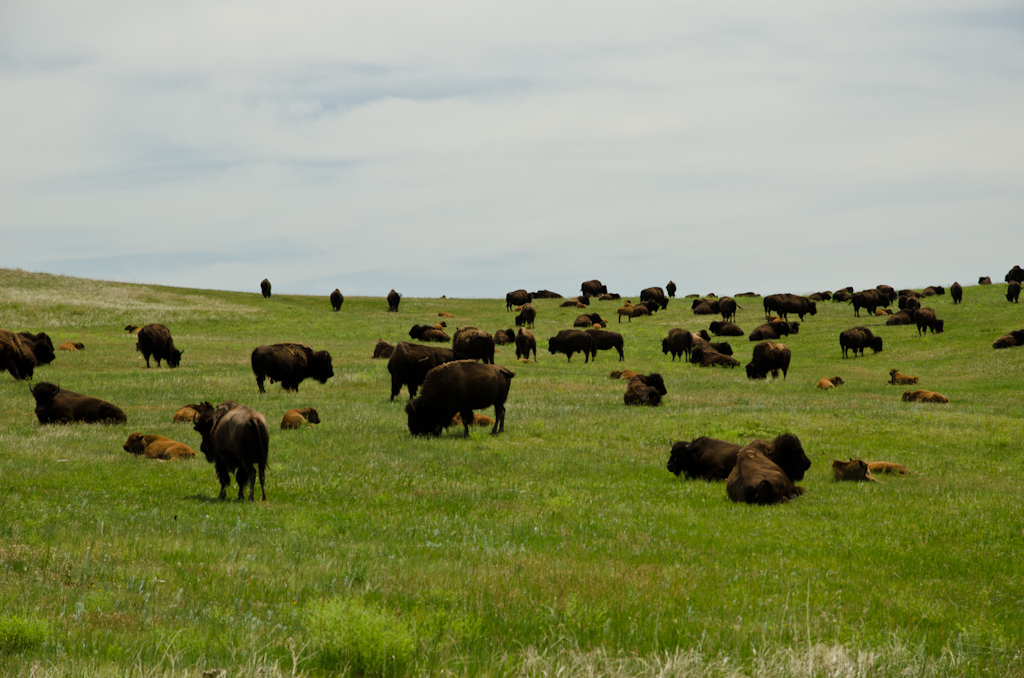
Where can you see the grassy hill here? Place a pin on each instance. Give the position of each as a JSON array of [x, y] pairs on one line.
[[562, 545]]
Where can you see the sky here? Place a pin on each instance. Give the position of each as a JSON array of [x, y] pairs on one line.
[[472, 148]]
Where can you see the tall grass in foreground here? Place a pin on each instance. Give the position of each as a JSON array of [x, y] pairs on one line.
[[562, 546]]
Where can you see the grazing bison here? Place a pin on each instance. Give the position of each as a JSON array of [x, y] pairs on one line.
[[265, 288], [474, 343], [645, 390], [155, 340], [525, 342], [721, 328], [337, 299], [572, 341], [756, 479], [769, 357], [678, 342], [517, 298], [503, 337], [546, 294], [858, 338], [1015, 274], [526, 316], [855, 469], [189, 412], [13, 356], [290, 364], [895, 378], [904, 317], [957, 292], [985, 280], [459, 387], [394, 298], [830, 382], [925, 320], [655, 294], [236, 440], [713, 459], [868, 300], [671, 289], [593, 288], [1013, 291], [296, 418], [71, 346], [55, 405], [922, 396], [605, 340], [784, 304], [429, 333], [157, 447], [410, 363], [382, 349], [909, 302]]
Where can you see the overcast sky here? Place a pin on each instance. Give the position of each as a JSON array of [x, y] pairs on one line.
[[472, 148]]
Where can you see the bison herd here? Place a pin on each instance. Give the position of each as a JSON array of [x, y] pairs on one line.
[[446, 385]]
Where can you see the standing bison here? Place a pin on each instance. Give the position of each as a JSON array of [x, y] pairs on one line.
[[572, 341], [671, 289], [784, 304], [265, 288], [925, 320], [655, 294], [337, 299], [1013, 291], [727, 307], [409, 364], [525, 342], [527, 316], [769, 356], [1015, 274], [858, 338], [593, 288], [38, 347], [290, 364], [474, 343], [236, 440], [605, 340], [155, 340], [13, 356], [957, 292], [678, 342], [459, 387], [517, 298], [393, 299], [56, 405]]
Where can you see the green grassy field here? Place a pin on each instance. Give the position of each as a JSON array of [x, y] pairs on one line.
[[562, 547]]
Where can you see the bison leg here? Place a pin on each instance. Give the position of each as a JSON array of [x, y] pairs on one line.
[[263, 468], [224, 477], [241, 477], [621, 355], [467, 419], [259, 382], [499, 419]]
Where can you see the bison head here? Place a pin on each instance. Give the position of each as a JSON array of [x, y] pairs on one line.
[[422, 422], [312, 416], [174, 358], [44, 392], [655, 381], [855, 469], [788, 453], [876, 344], [554, 345], [755, 371], [135, 444], [202, 423], [321, 368], [680, 459]]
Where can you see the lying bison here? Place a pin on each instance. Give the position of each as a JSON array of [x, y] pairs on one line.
[[429, 333], [769, 356], [235, 440], [858, 338], [713, 459], [757, 479], [459, 387], [290, 364], [895, 378], [157, 447], [295, 418], [189, 412], [155, 340], [922, 396], [774, 330], [410, 363], [645, 389], [1010, 340], [55, 405], [905, 317], [504, 337], [572, 341], [721, 328]]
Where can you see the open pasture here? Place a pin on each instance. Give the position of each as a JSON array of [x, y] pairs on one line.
[[562, 545]]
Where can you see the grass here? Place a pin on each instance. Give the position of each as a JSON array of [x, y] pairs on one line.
[[561, 546]]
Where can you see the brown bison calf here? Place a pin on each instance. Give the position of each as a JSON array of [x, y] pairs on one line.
[[830, 382], [897, 379], [855, 469], [478, 420], [189, 412], [382, 349], [922, 396], [296, 418], [71, 346], [157, 447]]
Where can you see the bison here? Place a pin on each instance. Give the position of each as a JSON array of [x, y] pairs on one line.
[[37, 346], [855, 469], [459, 387], [721, 328], [1015, 274], [1009, 340], [678, 342], [895, 378], [13, 356], [265, 288], [132, 329], [503, 337], [290, 364], [925, 320], [517, 298], [655, 294], [774, 330], [727, 307], [296, 418], [641, 391], [474, 343], [572, 341], [55, 405], [631, 311], [756, 479], [236, 440], [922, 396], [858, 338], [905, 317], [71, 346], [830, 382], [546, 294], [784, 304], [410, 363], [593, 288], [155, 340], [868, 300], [1013, 291], [769, 356], [157, 447], [957, 292], [189, 412], [429, 333], [525, 342], [671, 289], [337, 299], [713, 459], [605, 340], [707, 355], [526, 316], [985, 280], [393, 300], [382, 349]]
